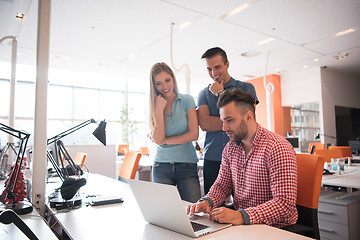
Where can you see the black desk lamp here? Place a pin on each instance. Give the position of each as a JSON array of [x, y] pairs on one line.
[[13, 194], [321, 134], [70, 184]]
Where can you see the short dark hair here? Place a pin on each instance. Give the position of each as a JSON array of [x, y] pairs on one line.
[[213, 52], [241, 98]]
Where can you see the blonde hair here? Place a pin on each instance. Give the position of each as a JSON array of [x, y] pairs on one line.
[[156, 69]]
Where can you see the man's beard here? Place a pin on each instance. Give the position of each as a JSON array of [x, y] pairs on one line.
[[241, 132]]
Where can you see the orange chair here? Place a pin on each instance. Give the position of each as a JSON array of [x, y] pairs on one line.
[[310, 169], [80, 159], [144, 150], [345, 150], [129, 166], [318, 146], [122, 149], [328, 154]]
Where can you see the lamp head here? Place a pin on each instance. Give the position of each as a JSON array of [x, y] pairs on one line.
[[100, 132], [70, 187]]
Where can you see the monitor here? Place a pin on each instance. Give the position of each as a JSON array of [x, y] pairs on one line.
[[355, 146], [294, 141]]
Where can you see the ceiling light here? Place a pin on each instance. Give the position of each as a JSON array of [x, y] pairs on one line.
[[265, 41], [250, 53], [344, 32], [235, 11], [316, 60], [131, 55], [20, 15], [305, 66], [341, 57], [248, 76], [185, 25]]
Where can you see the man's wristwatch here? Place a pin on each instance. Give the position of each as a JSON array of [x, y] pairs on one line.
[[218, 93]]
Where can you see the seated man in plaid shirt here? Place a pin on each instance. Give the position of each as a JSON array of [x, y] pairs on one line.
[[258, 165]]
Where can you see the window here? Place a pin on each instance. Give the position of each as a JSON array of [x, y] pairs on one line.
[[305, 122]]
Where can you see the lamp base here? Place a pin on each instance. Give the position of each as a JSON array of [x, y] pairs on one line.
[[20, 208], [59, 203]]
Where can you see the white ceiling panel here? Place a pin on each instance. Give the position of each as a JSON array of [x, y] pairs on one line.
[[338, 44], [100, 36], [302, 21]]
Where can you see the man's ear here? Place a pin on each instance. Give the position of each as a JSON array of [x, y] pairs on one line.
[[249, 115]]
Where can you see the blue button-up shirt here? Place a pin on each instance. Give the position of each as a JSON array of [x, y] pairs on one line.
[[216, 141]]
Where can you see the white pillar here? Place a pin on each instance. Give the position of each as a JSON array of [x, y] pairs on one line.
[[12, 94], [11, 119], [40, 119], [269, 88]]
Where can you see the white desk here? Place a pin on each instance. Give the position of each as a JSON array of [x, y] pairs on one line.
[[349, 179], [125, 221]]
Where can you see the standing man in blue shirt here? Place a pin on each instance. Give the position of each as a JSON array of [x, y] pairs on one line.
[[208, 114]]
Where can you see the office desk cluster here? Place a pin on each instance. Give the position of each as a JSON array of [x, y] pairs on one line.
[[349, 178], [339, 212], [125, 221]]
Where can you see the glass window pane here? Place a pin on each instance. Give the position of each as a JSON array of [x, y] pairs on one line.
[[4, 97], [137, 103], [24, 100], [86, 103], [60, 102], [110, 105]]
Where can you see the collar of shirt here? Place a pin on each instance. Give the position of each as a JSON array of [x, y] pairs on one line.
[[259, 132], [256, 140], [178, 96], [231, 82]]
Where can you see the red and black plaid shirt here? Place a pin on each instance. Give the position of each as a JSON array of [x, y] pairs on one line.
[[264, 182]]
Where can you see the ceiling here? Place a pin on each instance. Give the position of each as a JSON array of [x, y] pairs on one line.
[[125, 38]]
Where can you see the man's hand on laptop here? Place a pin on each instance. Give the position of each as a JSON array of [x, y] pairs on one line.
[[221, 214], [226, 215], [202, 206]]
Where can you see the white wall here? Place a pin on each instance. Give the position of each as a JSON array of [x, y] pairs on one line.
[[99, 159], [298, 87], [338, 89], [323, 85]]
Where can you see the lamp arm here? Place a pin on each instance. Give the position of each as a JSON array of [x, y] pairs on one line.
[[69, 131], [56, 167], [14, 175], [11, 131], [60, 148], [19, 162], [8, 216]]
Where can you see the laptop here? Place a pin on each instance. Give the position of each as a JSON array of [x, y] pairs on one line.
[[161, 205]]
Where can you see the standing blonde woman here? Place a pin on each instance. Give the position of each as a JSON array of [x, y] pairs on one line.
[[174, 125]]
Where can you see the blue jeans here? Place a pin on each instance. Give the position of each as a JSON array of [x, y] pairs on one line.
[[182, 175], [210, 173]]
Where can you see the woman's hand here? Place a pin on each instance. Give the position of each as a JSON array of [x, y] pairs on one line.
[[160, 103]]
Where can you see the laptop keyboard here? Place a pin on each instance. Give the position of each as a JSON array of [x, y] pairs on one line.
[[198, 226]]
